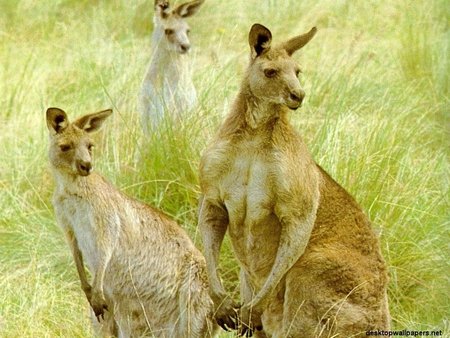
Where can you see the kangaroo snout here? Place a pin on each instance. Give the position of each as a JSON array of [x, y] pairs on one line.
[[296, 98], [184, 48], [84, 168]]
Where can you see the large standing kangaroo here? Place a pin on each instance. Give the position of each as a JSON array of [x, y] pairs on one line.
[[310, 262]]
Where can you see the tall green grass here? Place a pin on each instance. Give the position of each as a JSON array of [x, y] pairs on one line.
[[376, 118]]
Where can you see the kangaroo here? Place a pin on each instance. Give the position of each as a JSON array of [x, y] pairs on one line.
[[310, 262], [148, 277], [168, 86]]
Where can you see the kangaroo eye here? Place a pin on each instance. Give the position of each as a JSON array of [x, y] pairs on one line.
[[168, 31], [188, 32], [297, 72], [270, 72], [90, 146], [65, 147]]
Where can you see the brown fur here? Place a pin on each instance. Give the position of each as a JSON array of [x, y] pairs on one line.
[[148, 277], [310, 263]]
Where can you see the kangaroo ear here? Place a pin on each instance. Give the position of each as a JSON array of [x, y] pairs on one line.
[[188, 8], [161, 6], [57, 120], [93, 122], [298, 42], [259, 39]]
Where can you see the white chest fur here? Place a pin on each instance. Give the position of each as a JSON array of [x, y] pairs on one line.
[[78, 214], [246, 190], [167, 90]]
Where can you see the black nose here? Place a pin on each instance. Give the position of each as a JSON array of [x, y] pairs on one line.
[[185, 48], [297, 97], [84, 168]]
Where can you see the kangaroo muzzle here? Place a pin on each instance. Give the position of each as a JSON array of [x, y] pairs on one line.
[[84, 168], [295, 99]]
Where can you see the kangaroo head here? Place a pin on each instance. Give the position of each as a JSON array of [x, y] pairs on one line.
[[70, 143], [273, 73], [172, 24]]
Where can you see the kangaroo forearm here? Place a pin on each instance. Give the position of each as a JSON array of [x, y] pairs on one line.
[[212, 241], [78, 259], [293, 243], [282, 264], [212, 268], [99, 275], [213, 226], [246, 290]]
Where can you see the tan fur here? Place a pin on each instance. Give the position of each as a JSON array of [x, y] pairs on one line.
[[310, 262], [148, 277]]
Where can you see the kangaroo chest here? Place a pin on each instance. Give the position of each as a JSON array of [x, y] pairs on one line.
[[172, 89], [78, 214], [247, 190]]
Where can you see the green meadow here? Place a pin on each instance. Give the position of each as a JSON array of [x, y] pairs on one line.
[[376, 117]]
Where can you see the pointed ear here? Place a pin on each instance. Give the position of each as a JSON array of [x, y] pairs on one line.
[[294, 44], [188, 8], [161, 6], [93, 122], [259, 39], [57, 120]]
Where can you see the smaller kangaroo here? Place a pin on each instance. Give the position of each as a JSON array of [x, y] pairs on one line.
[[310, 262], [148, 277], [168, 86]]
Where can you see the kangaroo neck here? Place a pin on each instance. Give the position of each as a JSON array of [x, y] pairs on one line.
[[73, 184], [260, 113]]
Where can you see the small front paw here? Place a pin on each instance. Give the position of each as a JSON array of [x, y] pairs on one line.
[[98, 304], [226, 314], [250, 320]]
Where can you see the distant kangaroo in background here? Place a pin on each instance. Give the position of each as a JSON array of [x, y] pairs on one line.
[[167, 87], [148, 277], [310, 262]]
